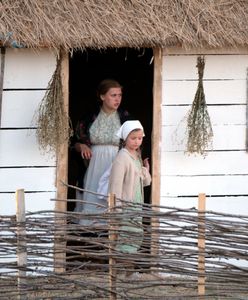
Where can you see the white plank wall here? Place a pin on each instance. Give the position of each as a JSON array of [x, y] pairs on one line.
[[30, 179], [33, 202], [209, 184], [181, 92], [223, 173], [26, 68], [13, 152], [19, 108], [22, 164], [178, 164], [218, 204], [219, 114], [217, 67], [225, 137]]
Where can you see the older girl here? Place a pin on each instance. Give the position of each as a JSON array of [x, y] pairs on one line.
[[97, 142]]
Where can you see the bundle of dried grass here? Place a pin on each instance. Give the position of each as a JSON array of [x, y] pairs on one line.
[[199, 128], [53, 123]]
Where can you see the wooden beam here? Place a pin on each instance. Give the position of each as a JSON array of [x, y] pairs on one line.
[[62, 168], [157, 125]]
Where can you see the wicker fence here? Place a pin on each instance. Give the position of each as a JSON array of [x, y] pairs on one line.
[[183, 254]]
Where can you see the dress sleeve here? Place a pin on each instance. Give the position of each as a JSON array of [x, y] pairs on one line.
[[146, 177], [82, 133]]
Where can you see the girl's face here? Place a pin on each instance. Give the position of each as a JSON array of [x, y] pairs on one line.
[[111, 100], [134, 140]]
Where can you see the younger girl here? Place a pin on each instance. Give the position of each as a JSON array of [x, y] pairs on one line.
[[128, 177]]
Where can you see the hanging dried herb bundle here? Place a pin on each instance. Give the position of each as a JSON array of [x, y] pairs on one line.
[[52, 121], [199, 128]]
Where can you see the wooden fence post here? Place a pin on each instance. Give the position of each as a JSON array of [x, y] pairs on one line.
[[21, 250], [112, 239], [201, 245]]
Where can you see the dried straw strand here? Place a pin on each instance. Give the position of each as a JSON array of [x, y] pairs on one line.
[[53, 123]]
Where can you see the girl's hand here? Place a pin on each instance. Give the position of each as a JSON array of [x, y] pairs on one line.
[[84, 150], [146, 164]]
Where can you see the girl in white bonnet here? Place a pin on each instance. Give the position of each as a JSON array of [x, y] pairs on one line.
[[129, 174]]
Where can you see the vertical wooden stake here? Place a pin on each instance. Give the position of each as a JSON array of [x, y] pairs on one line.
[[112, 239], [201, 245], [21, 242]]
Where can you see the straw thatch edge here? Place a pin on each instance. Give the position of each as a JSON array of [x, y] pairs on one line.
[[76, 24]]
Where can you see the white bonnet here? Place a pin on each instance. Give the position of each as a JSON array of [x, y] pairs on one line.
[[127, 127]]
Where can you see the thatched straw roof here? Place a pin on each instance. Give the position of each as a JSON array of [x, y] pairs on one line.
[[120, 23]]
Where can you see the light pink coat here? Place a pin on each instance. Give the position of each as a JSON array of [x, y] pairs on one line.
[[124, 176]]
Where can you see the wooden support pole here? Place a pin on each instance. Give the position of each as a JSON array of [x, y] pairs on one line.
[[156, 147], [201, 245], [21, 243], [62, 175], [112, 240], [156, 126]]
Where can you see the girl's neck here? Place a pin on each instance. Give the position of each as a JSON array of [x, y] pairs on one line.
[[108, 111], [133, 153]]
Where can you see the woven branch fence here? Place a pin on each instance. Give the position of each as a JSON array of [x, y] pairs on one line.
[[183, 254]]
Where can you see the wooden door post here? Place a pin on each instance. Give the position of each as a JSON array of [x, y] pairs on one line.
[[62, 175], [156, 148]]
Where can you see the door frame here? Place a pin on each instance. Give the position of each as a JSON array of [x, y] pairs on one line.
[[62, 155], [156, 126], [62, 173]]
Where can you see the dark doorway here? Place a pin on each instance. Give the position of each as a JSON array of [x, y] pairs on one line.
[[133, 69]]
